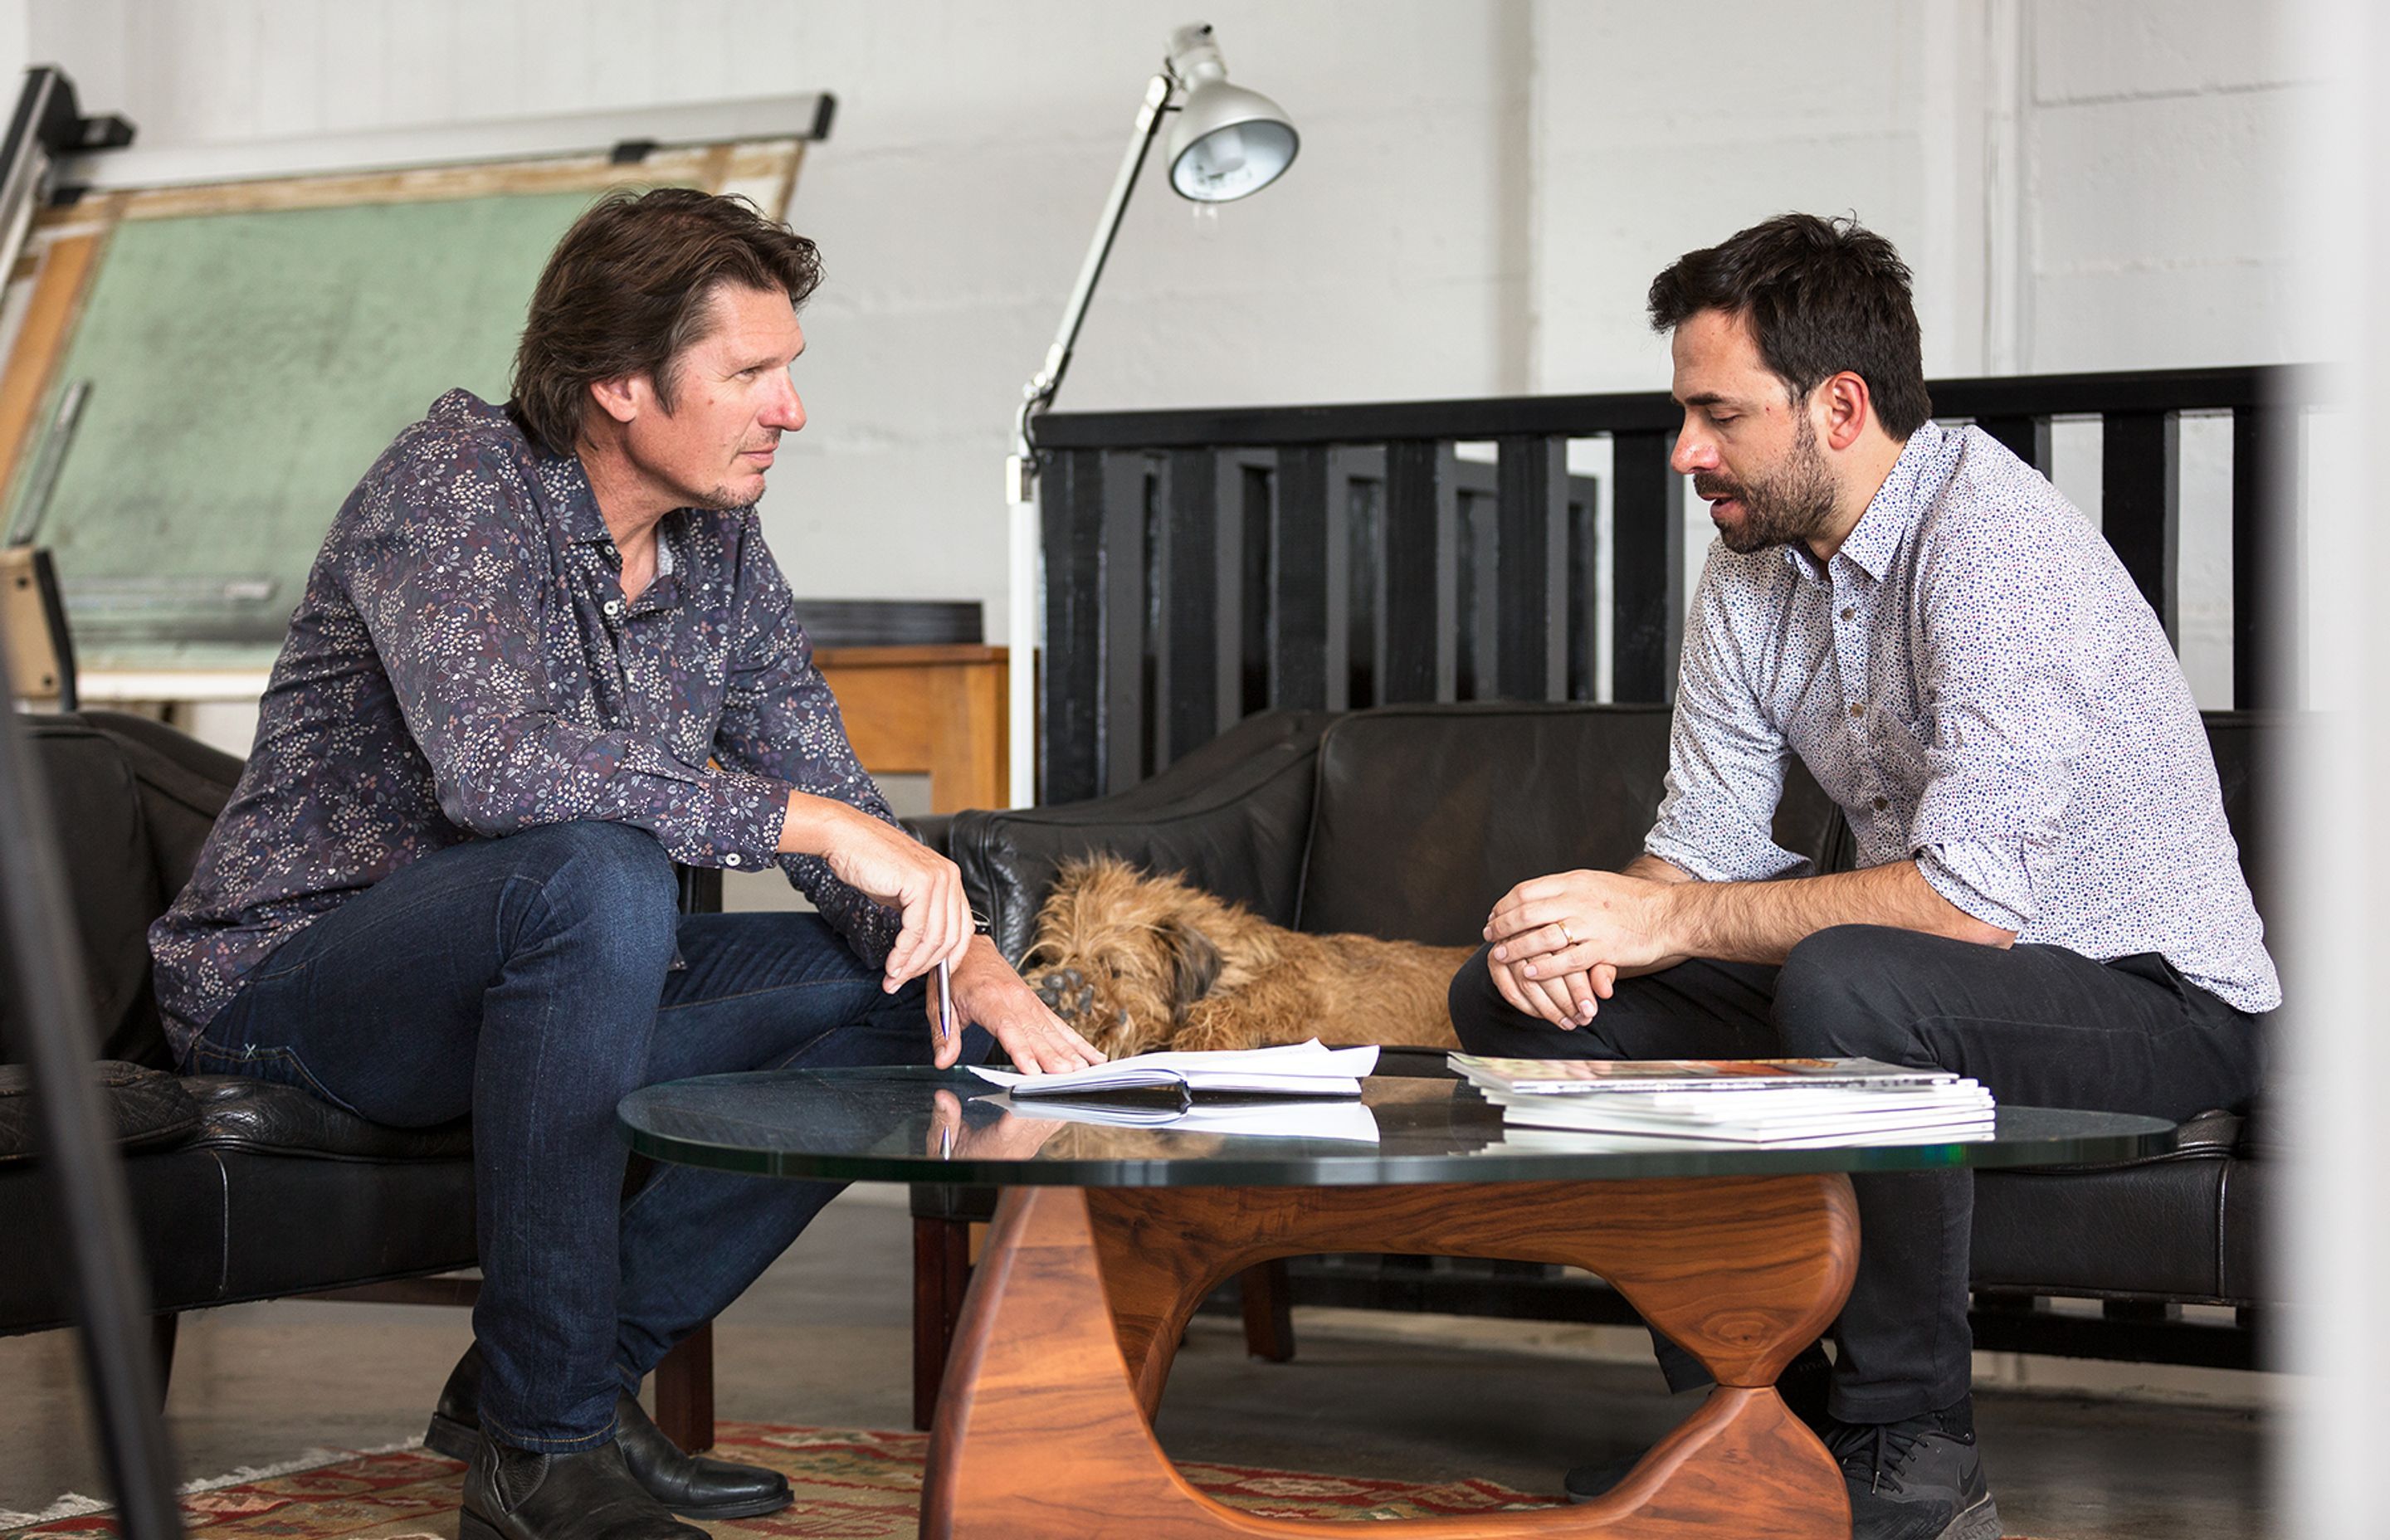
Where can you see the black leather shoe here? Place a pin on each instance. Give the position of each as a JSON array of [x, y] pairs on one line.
[[589, 1495], [692, 1485]]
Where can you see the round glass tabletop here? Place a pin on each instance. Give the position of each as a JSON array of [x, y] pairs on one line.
[[932, 1125]]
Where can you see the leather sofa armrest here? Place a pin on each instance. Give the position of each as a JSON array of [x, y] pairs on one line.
[[1233, 817], [935, 830]]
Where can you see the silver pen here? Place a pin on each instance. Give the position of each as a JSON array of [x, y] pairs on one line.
[[945, 1003]]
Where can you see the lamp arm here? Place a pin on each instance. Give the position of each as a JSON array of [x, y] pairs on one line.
[[1020, 471]]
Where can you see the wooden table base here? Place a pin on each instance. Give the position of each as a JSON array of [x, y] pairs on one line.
[[1043, 1430]]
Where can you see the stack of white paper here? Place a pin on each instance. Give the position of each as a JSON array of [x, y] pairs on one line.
[[1301, 1069], [1272, 1118]]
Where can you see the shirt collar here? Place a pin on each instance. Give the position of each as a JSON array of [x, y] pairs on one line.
[[570, 501], [1912, 485], [564, 485]]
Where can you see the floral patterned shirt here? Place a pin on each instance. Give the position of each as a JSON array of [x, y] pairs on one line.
[[464, 664], [1976, 682]]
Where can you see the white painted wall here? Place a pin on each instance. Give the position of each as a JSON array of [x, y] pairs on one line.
[[2078, 184], [1485, 191], [972, 150]]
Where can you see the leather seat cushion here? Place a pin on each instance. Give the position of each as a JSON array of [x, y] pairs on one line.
[[257, 1116], [143, 1107], [177, 1200], [293, 1225], [2152, 1227]]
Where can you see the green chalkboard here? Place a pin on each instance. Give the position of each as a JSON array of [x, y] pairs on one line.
[[245, 369]]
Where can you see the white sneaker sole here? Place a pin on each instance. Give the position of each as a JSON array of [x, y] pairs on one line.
[[1979, 1522]]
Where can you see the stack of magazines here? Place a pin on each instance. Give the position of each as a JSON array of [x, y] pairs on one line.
[[1753, 1101]]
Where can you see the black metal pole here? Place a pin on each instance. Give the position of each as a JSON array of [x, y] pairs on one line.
[[79, 1165]]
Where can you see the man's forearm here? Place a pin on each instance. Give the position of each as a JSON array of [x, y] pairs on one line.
[[1759, 922], [1653, 869], [815, 823]]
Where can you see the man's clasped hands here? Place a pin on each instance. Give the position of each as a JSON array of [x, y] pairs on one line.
[[1562, 941]]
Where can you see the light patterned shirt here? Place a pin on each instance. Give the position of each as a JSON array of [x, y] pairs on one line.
[[1978, 684], [464, 664]]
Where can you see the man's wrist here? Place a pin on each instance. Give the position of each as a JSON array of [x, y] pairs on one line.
[[981, 952], [1678, 930], [813, 826]]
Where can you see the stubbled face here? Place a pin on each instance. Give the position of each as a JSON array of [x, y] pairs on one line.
[[732, 398], [1750, 448]]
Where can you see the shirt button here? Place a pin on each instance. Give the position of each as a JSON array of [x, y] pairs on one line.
[[613, 606], [732, 859], [1857, 710], [1848, 612], [1881, 804]]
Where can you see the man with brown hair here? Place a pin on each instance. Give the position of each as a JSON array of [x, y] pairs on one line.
[[2048, 898], [544, 655]]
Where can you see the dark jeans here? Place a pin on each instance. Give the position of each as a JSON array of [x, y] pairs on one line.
[[2038, 1025], [532, 982]]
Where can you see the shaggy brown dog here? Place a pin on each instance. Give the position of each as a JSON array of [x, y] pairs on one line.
[[1136, 963]]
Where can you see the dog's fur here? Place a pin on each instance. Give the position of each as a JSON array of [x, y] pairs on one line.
[[1136, 963]]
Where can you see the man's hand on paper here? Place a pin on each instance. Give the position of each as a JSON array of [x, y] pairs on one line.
[[988, 991]]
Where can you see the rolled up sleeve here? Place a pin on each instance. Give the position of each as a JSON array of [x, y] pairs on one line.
[[1726, 759], [2004, 680]]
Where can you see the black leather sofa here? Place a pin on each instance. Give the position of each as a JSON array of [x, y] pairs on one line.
[[1408, 821], [239, 1190]]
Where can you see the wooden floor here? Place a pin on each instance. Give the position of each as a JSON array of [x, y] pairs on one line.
[[824, 1340]]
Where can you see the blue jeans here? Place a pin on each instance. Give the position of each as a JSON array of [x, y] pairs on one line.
[[532, 982]]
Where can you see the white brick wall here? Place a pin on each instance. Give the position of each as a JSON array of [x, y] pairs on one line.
[[972, 150], [1485, 191]]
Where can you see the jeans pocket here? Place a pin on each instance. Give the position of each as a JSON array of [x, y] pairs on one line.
[[275, 1065]]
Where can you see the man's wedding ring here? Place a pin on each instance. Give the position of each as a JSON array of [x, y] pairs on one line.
[[1564, 935]]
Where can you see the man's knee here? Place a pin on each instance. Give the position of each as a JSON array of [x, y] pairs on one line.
[[1845, 992], [607, 883]]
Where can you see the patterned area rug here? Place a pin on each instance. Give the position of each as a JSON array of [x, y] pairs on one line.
[[850, 1487]]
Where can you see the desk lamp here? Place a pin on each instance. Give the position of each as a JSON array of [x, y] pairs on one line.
[[1227, 142]]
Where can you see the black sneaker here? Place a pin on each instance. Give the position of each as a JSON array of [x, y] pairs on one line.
[[1803, 1385], [1920, 1479]]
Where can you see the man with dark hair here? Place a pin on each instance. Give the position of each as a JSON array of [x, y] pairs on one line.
[[544, 655], [2048, 898]]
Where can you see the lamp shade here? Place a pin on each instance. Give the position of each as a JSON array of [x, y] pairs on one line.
[[1227, 141]]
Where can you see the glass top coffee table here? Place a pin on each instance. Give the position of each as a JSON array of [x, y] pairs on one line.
[[1107, 1235]]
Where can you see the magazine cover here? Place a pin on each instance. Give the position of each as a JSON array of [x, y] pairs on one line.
[[1572, 1076]]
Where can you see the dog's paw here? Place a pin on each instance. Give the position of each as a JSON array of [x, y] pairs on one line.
[[1067, 993]]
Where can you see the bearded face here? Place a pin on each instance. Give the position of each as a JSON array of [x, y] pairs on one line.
[[1792, 500]]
